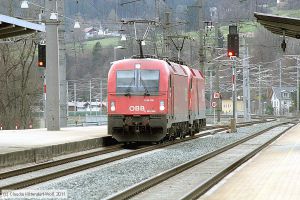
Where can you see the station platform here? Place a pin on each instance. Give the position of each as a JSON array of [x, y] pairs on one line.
[[273, 174], [39, 145]]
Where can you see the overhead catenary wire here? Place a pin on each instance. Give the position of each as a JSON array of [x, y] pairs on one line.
[[61, 15]]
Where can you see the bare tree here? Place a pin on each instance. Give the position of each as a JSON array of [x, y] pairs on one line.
[[18, 83]]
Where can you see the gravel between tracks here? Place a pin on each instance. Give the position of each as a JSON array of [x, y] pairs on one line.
[[103, 181]]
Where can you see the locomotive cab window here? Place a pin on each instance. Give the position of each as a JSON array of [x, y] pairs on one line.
[[138, 82], [149, 80], [125, 80]]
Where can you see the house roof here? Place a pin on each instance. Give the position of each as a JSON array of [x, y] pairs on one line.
[[89, 29], [276, 91], [11, 27]]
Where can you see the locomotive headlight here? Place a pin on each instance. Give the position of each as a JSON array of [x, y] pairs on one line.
[[112, 106], [161, 105]]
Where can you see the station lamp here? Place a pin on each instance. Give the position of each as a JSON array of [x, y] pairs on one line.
[[123, 38], [76, 25], [24, 4], [54, 16]]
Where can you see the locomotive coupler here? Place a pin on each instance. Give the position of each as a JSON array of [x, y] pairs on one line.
[[137, 129]]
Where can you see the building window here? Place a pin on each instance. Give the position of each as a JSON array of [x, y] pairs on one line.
[[285, 95]]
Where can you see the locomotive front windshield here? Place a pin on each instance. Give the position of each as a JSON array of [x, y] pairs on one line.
[[137, 82]]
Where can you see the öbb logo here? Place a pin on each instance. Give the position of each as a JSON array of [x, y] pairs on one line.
[[137, 108]]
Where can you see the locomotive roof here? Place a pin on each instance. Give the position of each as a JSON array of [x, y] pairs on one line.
[[171, 66]]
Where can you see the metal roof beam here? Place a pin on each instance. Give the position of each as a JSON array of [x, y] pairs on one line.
[[12, 27], [277, 28], [280, 25], [19, 33], [7, 26], [12, 30]]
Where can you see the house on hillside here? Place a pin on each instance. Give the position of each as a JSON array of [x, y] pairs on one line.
[[102, 32], [282, 100], [281, 2], [90, 32], [93, 33]]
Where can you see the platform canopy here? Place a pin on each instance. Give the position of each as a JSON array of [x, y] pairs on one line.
[[280, 25], [12, 27]]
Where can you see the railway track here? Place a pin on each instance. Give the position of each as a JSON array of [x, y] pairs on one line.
[[28, 169], [32, 175], [162, 184]]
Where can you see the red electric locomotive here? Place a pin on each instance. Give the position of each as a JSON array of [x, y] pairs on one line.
[[151, 100]]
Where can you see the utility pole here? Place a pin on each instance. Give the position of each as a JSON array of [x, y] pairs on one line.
[[52, 71], [75, 99], [246, 88], [166, 32], [101, 100], [11, 9], [191, 53], [67, 86], [259, 91], [116, 12], [280, 88], [219, 101], [157, 11], [210, 88], [90, 97], [201, 29], [298, 106], [233, 120], [62, 66]]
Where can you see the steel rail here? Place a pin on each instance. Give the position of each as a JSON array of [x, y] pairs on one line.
[[28, 169], [44, 178], [58, 174], [202, 188], [146, 184], [113, 148]]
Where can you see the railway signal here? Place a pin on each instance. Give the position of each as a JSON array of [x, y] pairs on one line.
[[213, 104], [41, 55], [233, 42], [216, 95]]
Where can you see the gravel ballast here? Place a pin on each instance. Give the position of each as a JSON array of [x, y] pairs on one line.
[[106, 180]]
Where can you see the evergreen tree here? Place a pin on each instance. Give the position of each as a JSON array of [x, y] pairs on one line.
[[97, 49]]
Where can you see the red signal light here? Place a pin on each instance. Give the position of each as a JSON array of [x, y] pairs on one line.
[[41, 64], [230, 53]]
